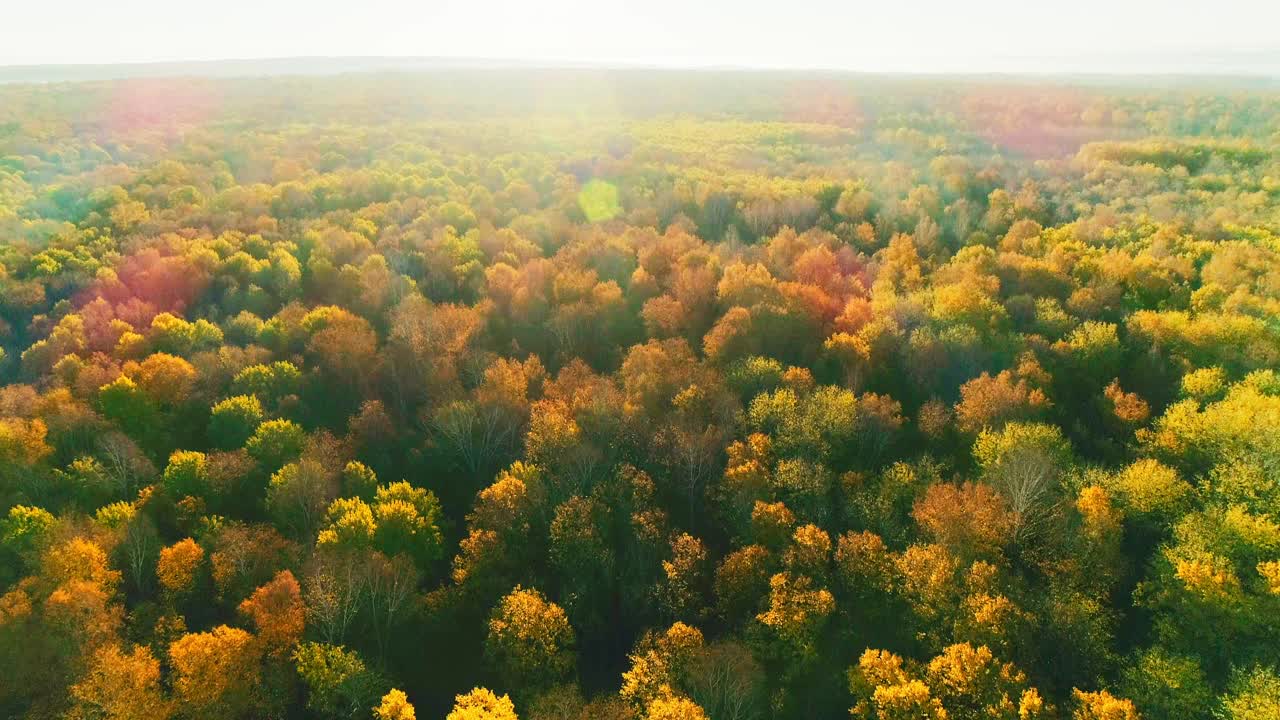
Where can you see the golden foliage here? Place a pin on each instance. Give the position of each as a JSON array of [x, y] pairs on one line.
[[215, 672], [482, 704], [971, 519], [395, 706], [1102, 705], [178, 565], [278, 613], [120, 686], [530, 639], [1127, 406]]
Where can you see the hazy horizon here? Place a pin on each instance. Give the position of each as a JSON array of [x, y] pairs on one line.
[[1231, 37]]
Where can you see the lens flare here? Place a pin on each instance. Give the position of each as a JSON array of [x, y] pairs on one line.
[[599, 201]]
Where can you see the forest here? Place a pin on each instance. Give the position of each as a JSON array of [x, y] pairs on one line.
[[588, 394]]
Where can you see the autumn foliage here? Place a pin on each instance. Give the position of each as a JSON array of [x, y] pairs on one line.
[[640, 395]]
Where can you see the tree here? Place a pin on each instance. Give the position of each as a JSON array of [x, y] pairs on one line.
[[179, 567], [408, 522], [215, 673], [187, 475], [809, 553], [744, 485], [338, 684], [772, 524], [853, 353], [334, 592], [124, 402], [1024, 462], [269, 383], [298, 494], [1240, 427], [530, 642], [1151, 490], [969, 520], [344, 347], [359, 481], [1129, 408], [805, 487], [863, 563], [658, 662], [24, 533], [171, 334], [23, 442], [795, 617], [234, 420], [349, 525], [1253, 694], [727, 681], [653, 373], [553, 435], [971, 683], [482, 704], [734, 335], [92, 485], [742, 582], [582, 559], [1166, 685], [927, 579], [278, 613], [244, 557], [991, 402], [884, 691], [1205, 384], [686, 575], [665, 317], [963, 682], [276, 442], [120, 685], [690, 445], [166, 379], [388, 592], [1100, 538], [1102, 705], [480, 434], [401, 522], [499, 523], [394, 706], [1090, 353], [669, 706], [1207, 590]]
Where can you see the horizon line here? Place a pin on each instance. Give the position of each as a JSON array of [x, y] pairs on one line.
[[498, 62]]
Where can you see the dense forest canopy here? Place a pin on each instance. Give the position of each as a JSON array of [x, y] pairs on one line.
[[581, 394]]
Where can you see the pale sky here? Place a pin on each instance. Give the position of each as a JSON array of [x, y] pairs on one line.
[[884, 35]]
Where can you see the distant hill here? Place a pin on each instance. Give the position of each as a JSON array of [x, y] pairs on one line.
[[250, 68], [1240, 69]]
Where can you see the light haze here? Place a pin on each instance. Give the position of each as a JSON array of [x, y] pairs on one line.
[[1123, 36]]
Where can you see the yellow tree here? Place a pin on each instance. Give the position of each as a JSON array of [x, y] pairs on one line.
[[215, 673], [482, 704], [659, 661], [795, 617], [395, 705], [178, 566], [962, 683], [669, 706], [530, 642], [1102, 705], [120, 686], [683, 587]]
